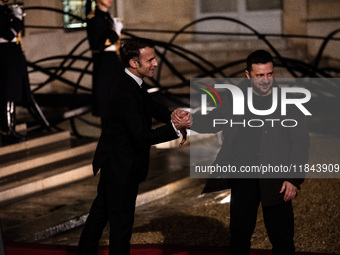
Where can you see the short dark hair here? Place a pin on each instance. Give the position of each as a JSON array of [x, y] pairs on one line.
[[258, 57], [131, 47]]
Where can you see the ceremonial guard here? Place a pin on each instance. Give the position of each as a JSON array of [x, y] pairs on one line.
[[103, 33], [14, 84]]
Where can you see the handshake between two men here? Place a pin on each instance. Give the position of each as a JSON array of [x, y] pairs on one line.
[[182, 121]]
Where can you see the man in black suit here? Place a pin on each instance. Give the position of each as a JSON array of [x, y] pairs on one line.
[[123, 149], [255, 146]]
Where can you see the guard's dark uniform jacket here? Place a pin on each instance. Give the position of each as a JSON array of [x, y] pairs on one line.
[[14, 85], [106, 64], [278, 145]]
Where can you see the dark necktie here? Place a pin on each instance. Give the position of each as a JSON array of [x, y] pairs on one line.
[[145, 96], [144, 86]]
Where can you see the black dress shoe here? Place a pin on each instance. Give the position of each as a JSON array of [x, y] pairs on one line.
[[12, 137]]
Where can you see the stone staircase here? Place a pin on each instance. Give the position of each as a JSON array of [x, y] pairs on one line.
[[47, 184], [43, 163]]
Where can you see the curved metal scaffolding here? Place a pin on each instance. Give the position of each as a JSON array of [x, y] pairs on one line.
[[80, 96]]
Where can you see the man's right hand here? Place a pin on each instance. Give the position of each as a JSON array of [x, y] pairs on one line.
[[17, 12], [118, 26], [181, 119]]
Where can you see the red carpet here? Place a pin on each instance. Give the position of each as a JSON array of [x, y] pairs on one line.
[[34, 249]]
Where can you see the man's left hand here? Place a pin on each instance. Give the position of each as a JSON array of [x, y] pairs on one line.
[[184, 137], [290, 191]]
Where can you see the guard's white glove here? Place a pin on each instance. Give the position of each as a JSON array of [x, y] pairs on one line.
[[118, 26], [17, 12]]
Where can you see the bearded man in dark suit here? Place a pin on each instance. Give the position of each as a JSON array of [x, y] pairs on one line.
[[123, 150], [246, 145]]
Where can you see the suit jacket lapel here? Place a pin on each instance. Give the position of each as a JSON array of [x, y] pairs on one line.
[[141, 92]]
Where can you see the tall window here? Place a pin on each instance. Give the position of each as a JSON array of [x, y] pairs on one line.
[[218, 6], [263, 15], [264, 5], [77, 8]]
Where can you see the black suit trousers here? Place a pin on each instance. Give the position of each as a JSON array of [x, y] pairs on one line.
[[278, 219], [115, 203]]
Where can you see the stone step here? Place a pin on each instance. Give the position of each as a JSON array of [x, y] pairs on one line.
[[72, 216], [35, 142], [45, 161], [28, 159], [56, 211], [45, 177]]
